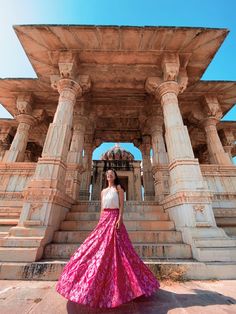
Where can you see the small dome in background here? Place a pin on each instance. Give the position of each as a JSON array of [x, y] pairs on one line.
[[117, 153]]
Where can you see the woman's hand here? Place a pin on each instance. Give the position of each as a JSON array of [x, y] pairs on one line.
[[119, 222]]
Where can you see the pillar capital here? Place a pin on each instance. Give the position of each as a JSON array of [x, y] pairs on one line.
[[78, 87], [174, 77], [158, 88], [24, 103], [68, 85], [26, 119]]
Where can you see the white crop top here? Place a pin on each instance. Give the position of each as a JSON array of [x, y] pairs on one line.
[[110, 198]]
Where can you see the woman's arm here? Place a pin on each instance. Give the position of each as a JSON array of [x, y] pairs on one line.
[[121, 206]]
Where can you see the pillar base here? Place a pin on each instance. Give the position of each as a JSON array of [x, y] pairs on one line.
[[42, 212], [185, 174]]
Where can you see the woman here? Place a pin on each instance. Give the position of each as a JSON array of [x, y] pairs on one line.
[[105, 271]]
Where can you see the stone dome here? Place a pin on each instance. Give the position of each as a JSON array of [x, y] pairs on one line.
[[117, 153]]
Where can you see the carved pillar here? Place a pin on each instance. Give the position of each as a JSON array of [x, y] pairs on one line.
[[158, 145], [74, 158], [98, 167], [26, 121], [137, 181], [4, 140], [185, 174], [45, 200], [160, 161], [86, 176], [215, 148], [228, 141], [148, 181]]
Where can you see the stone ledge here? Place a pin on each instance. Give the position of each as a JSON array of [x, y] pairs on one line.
[[45, 270]]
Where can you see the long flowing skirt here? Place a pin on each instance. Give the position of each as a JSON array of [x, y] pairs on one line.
[[105, 271]]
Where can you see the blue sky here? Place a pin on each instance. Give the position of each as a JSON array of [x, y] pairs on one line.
[[198, 13]]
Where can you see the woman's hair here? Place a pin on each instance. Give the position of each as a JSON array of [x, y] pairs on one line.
[[116, 181]]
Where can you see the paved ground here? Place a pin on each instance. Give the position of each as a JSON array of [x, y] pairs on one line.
[[200, 297]]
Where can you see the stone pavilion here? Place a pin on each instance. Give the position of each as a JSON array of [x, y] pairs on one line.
[[139, 85]]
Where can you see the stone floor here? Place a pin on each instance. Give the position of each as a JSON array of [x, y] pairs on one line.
[[201, 297]]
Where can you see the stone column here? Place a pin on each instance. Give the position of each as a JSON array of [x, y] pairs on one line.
[[75, 158], [26, 121], [160, 159], [211, 115], [148, 181], [137, 181], [158, 145], [45, 200], [86, 177], [186, 181], [228, 142], [98, 166], [4, 140], [215, 147]]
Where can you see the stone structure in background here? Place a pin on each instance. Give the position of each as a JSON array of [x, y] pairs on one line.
[[139, 85]]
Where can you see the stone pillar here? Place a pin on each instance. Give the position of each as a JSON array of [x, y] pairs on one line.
[[4, 140], [75, 158], [160, 159], [86, 177], [215, 147], [45, 200], [98, 166], [210, 116], [26, 121], [158, 145], [137, 181], [187, 186], [228, 141], [148, 181]]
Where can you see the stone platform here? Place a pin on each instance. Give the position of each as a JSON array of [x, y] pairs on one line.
[[37, 297]]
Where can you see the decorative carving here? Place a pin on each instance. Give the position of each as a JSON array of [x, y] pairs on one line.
[[212, 107], [24, 103], [68, 65], [152, 84], [199, 208], [34, 211], [170, 66]]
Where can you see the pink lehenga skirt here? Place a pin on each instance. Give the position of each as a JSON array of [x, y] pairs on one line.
[[105, 271]]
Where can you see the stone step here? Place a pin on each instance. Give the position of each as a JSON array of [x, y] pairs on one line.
[[148, 250], [127, 216], [219, 254], [68, 225], [21, 241], [95, 206], [18, 254], [176, 269], [10, 210], [4, 228], [4, 222], [3, 234], [216, 242], [8, 215], [135, 236]]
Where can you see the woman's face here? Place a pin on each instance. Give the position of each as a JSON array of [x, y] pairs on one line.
[[110, 175]]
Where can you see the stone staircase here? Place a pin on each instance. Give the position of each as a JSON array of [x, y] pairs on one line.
[[9, 217], [151, 231]]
